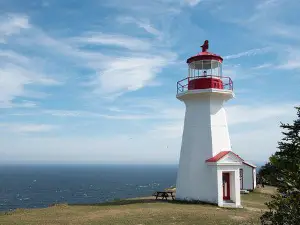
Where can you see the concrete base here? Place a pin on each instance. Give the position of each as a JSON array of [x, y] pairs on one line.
[[231, 205]]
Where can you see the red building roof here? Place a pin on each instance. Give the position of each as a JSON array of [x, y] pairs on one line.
[[220, 155]]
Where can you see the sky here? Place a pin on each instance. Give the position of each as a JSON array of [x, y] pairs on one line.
[[95, 81]]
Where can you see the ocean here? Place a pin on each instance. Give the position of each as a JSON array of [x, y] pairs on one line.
[[36, 186]]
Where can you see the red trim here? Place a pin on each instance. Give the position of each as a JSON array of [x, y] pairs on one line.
[[249, 164], [205, 56], [220, 155], [227, 180], [185, 84], [205, 82], [217, 157]]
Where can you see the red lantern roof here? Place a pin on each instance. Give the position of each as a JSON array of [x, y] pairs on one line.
[[205, 56]]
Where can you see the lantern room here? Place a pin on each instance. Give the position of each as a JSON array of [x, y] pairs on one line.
[[204, 64], [204, 72]]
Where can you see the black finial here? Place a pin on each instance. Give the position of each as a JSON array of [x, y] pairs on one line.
[[204, 46]]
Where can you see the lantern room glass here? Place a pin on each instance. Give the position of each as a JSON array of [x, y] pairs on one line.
[[205, 68]]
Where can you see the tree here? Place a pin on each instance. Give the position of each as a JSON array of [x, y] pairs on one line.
[[267, 172], [284, 208]]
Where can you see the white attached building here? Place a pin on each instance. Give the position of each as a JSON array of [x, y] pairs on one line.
[[248, 176]]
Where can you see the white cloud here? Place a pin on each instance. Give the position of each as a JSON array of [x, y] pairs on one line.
[[22, 104], [251, 52], [129, 73], [115, 72], [231, 71], [290, 64], [160, 143], [88, 114], [169, 130], [16, 73], [128, 149], [11, 24], [13, 57], [149, 110], [147, 9], [113, 40], [173, 115], [149, 28], [192, 2], [257, 145], [262, 66], [266, 4], [144, 24], [290, 59], [241, 114], [27, 128], [45, 4]]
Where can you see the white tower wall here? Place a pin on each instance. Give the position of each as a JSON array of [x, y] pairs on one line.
[[205, 134]]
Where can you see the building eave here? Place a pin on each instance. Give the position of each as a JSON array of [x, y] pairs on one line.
[[221, 155], [249, 164], [226, 94], [224, 164]]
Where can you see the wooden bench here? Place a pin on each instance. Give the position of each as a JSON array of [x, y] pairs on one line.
[[164, 195]]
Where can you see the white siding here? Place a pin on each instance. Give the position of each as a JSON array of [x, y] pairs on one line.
[[234, 184], [249, 177]]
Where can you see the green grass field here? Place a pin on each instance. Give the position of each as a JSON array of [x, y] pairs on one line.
[[144, 211]]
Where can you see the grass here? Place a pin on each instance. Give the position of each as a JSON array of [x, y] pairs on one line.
[[142, 211]]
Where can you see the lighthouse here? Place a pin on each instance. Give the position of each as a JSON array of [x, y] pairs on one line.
[[209, 171]]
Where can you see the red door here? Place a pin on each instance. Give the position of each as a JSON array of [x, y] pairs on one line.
[[226, 186]]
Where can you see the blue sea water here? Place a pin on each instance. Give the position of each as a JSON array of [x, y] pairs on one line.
[[35, 186]]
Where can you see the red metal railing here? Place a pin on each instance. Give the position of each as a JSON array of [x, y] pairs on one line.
[[183, 85]]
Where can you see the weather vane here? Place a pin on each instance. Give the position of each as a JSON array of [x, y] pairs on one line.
[[204, 46]]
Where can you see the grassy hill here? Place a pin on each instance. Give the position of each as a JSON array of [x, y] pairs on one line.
[[143, 211]]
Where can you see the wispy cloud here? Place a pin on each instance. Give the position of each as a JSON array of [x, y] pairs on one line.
[[130, 112], [290, 65], [17, 72], [123, 50], [113, 40], [114, 73], [262, 66], [129, 73], [12, 24], [265, 4], [192, 2], [168, 130], [22, 104], [251, 52], [290, 60], [141, 23], [27, 128], [241, 114]]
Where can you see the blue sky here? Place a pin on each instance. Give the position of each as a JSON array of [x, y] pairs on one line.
[[95, 81]]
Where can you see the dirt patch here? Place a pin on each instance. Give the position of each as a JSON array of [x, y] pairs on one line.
[[238, 218], [253, 209], [266, 190]]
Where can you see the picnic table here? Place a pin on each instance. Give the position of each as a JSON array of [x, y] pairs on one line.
[[164, 195]]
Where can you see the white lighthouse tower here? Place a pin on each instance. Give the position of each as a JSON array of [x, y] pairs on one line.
[[208, 169]]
